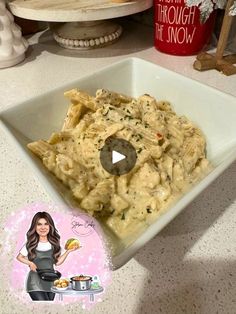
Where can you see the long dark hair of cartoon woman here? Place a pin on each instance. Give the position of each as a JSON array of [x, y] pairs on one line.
[[42, 251], [33, 237]]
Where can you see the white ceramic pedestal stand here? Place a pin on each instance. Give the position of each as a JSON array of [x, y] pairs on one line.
[[12, 44], [82, 24], [86, 35]]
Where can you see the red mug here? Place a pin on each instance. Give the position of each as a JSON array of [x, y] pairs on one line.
[[178, 30]]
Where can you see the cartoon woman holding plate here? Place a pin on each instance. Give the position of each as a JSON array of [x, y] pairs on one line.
[[42, 251]]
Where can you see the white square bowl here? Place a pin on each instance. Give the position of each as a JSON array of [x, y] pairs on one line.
[[213, 111]]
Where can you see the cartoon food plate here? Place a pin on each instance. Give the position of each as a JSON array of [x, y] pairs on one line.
[[76, 284]]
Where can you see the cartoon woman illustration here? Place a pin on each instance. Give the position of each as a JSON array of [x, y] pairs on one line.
[[42, 251]]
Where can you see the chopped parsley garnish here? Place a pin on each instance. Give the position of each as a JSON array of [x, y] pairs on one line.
[[123, 216], [128, 117], [149, 211]]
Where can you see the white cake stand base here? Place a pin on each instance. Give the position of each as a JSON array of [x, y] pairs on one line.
[[86, 35], [83, 24]]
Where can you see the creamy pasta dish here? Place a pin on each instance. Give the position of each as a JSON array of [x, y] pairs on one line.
[[170, 156]]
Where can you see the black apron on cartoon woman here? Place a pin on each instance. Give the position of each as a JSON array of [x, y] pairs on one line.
[[41, 251], [38, 288]]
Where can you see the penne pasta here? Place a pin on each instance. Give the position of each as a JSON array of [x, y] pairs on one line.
[[40, 148], [171, 155]]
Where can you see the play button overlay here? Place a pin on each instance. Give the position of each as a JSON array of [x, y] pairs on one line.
[[117, 156]]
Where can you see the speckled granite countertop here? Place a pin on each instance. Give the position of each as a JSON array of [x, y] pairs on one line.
[[190, 266]]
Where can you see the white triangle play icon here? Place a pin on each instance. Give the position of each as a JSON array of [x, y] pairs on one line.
[[116, 157]]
